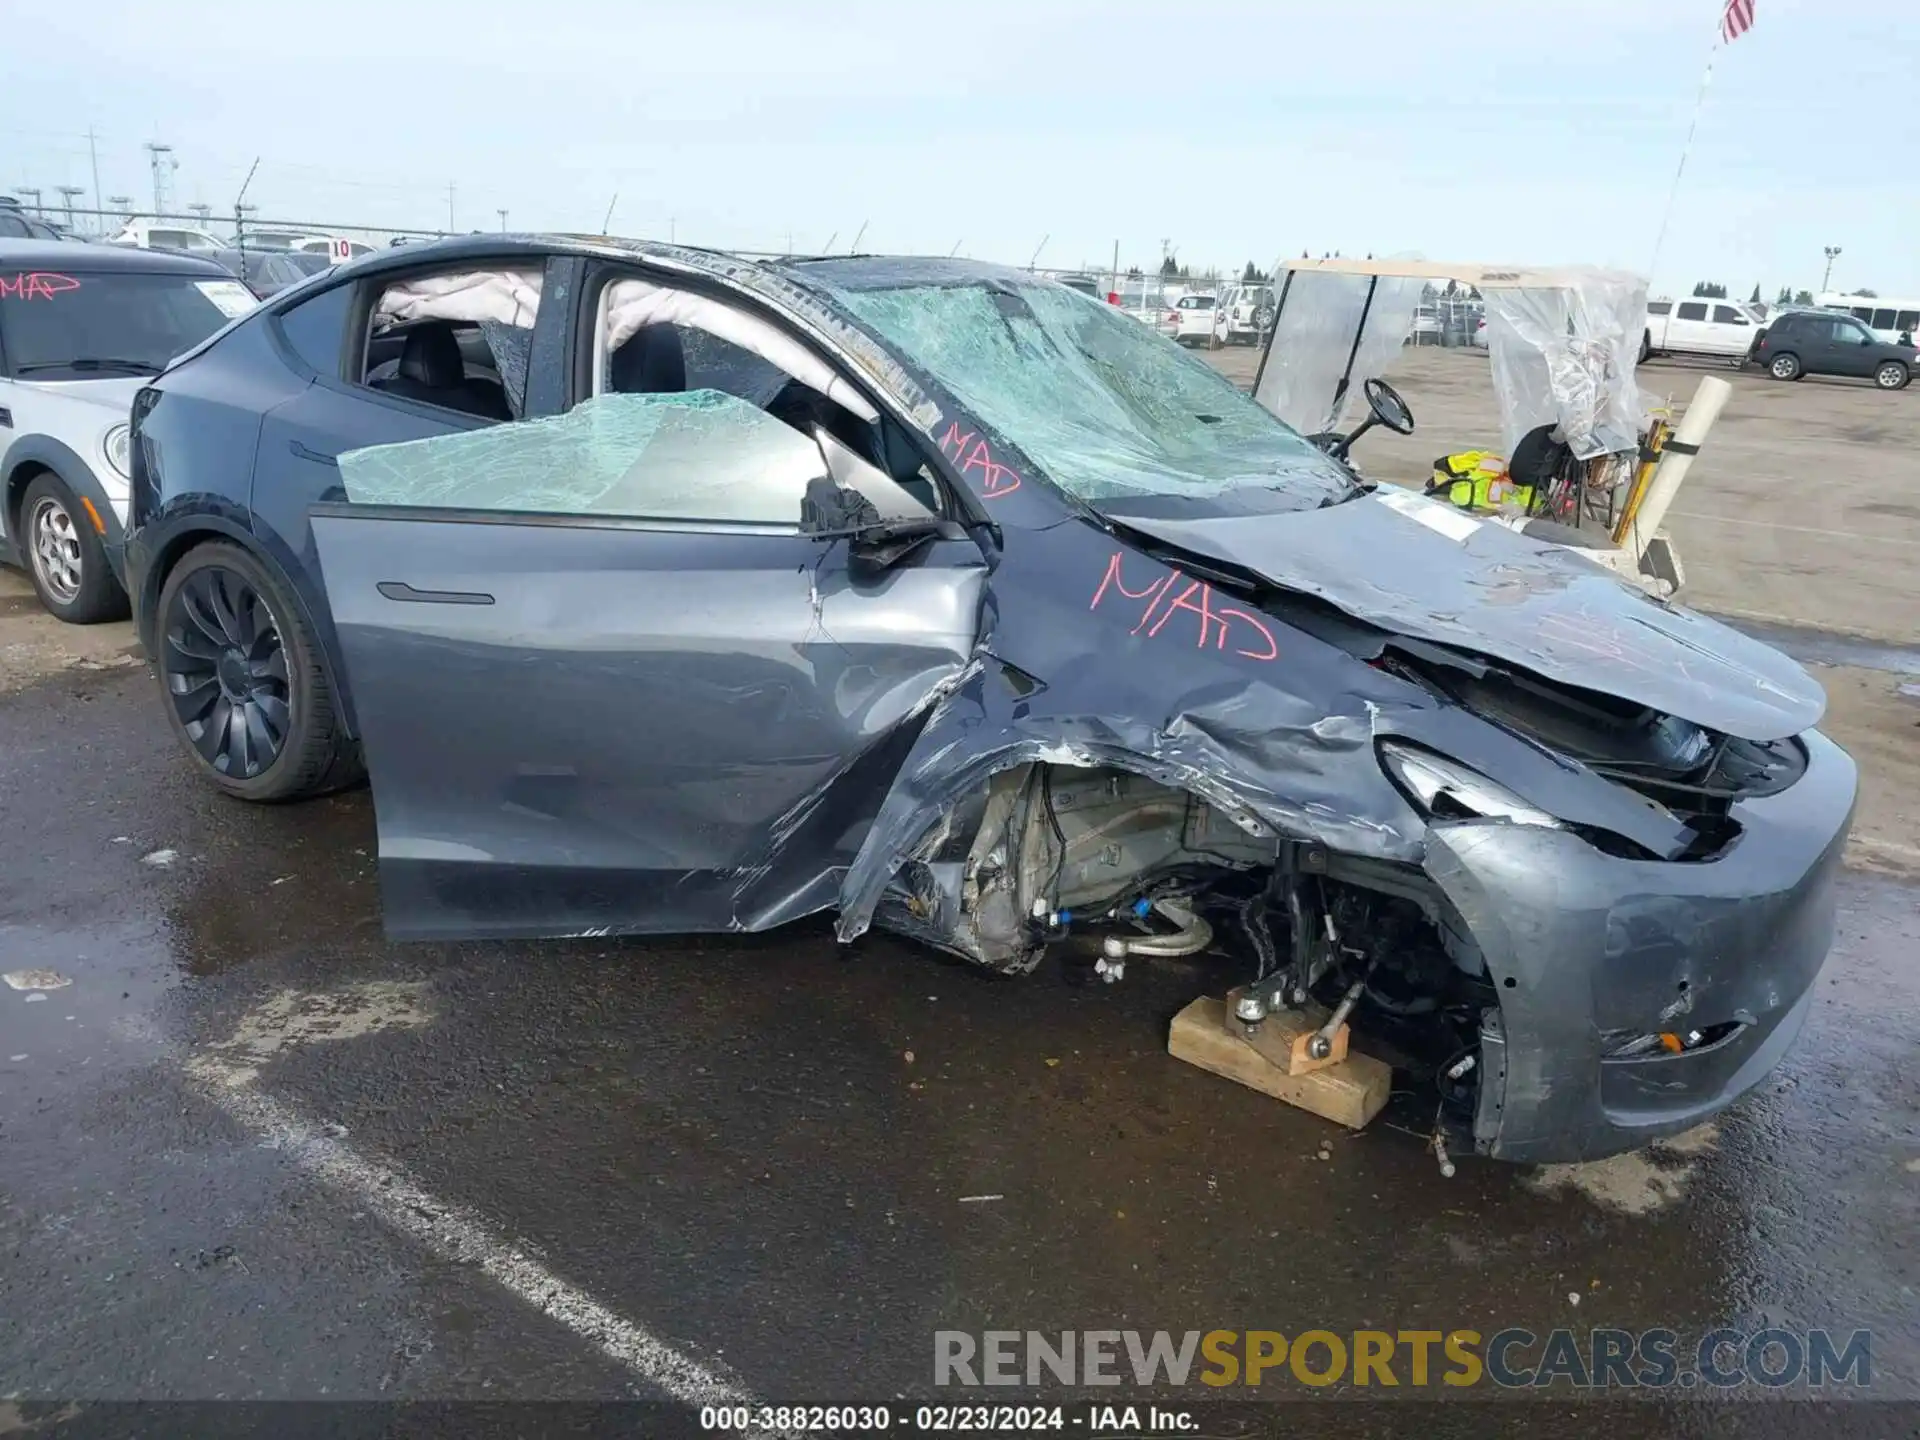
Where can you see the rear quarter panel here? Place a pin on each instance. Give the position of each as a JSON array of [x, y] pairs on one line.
[[198, 435]]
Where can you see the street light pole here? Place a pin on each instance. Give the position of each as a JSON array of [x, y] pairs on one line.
[[1833, 253], [67, 192], [503, 222]]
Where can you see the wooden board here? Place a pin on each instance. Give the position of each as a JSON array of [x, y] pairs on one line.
[[1350, 1093]]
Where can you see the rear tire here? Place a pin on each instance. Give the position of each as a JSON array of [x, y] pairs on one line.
[[65, 556], [1892, 376], [1646, 348], [1784, 367], [243, 683]]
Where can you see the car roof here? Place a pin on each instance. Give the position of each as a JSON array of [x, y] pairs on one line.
[[817, 274], [100, 259]]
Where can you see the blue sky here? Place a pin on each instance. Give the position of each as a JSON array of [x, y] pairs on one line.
[[1525, 130]]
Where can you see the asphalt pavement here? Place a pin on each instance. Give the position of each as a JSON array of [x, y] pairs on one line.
[[254, 1151]]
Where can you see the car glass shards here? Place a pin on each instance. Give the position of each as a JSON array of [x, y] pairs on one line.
[[699, 455], [1106, 408]]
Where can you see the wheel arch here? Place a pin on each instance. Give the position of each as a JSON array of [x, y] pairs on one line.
[[32, 456], [210, 529], [19, 477]]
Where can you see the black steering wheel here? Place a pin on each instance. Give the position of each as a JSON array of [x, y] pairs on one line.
[[1387, 406]]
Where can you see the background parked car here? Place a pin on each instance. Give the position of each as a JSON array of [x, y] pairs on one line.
[[164, 235], [1814, 342], [82, 328], [268, 272], [17, 224], [1698, 327], [1244, 314], [1190, 319]]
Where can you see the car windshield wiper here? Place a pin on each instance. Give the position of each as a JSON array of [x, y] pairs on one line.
[[89, 362]]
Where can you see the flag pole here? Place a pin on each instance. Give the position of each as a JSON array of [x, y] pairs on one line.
[[1673, 193]]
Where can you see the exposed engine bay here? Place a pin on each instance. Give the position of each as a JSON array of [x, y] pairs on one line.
[[1103, 867]]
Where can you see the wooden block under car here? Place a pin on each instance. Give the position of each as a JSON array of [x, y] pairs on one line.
[[1349, 1093]]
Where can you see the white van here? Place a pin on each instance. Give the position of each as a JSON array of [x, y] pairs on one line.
[[1699, 327], [164, 235]]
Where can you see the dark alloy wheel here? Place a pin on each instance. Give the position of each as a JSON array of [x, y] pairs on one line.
[[246, 685], [226, 672]]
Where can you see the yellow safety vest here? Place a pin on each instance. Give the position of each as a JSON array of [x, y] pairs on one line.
[[1478, 480]]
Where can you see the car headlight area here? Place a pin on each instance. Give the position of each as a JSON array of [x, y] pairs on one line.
[[1444, 789], [117, 445]]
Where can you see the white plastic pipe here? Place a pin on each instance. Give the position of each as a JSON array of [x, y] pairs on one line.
[[1708, 401]]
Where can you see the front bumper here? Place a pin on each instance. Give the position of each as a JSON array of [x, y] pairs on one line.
[[1582, 947]]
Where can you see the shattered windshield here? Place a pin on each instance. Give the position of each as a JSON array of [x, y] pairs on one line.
[[1114, 415]]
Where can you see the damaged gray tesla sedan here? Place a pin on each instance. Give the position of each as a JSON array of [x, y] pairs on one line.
[[664, 591]]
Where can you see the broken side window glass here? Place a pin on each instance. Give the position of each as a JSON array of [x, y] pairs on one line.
[[693, 455]]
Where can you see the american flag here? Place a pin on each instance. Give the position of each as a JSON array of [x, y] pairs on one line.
[[1736, 20]]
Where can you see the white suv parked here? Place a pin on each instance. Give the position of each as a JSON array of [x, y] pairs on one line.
[[1245, 314], [1190, 321], [1699, 327], [82, 328]]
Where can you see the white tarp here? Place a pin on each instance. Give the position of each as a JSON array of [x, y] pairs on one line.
[[1313, 339]]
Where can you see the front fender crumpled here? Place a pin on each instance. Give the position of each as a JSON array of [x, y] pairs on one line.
[[1317, 782]]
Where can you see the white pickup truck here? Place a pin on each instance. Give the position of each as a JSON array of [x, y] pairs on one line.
[[1699, 327]]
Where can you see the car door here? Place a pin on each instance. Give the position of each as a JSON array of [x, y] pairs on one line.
[[1687, 330], [327, 338], [1732, 331], [606, 679], [1854, 348]]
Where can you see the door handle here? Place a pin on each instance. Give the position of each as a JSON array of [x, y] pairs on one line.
[[400, 590], [303, 453]]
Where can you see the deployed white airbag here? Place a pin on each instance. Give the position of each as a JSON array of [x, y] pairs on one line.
[[511, 297], [632, 305]]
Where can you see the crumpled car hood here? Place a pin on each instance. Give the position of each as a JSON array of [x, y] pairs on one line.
[[1415, 566]]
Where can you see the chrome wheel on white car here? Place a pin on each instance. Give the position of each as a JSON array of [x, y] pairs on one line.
[[55, 546], [66, 556]]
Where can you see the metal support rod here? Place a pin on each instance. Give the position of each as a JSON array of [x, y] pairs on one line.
[[1321, 1045], [1279, 308], [1359, 332]]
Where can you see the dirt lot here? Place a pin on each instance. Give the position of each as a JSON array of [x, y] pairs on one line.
[[1802, 515]]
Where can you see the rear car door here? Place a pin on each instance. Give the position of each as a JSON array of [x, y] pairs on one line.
[[606, 678], [1688, 328]]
